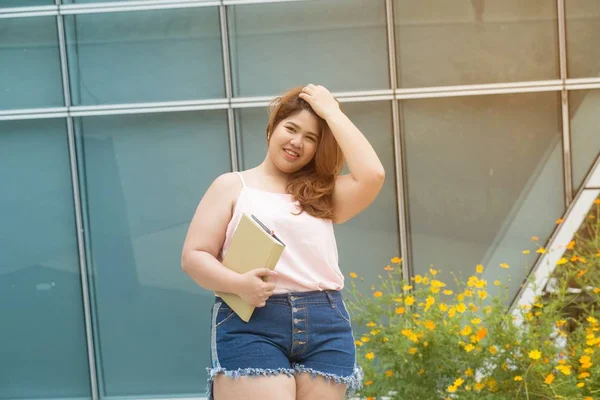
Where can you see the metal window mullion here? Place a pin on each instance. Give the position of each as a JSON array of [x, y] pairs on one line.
[[564, 95], [228, 87], [91, 354], [407, 271]]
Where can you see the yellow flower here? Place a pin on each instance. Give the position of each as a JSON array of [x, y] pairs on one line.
[[461, 308], [479, 386], [375, 332], [469, 348], [433, 272], [541, 250], [406, 287], [592, 320], [565, 369], [371, 324], [479, 269], [580, 384], [412, 351], [518, 378], [504, 265], [451, 389], [452, 312], [466, 331], [398, 299], [526, 251], [430, 325], [353, 275], [468, 293], [583, 375], [448, 292], [497, 283], [425, 281], [571, 245], [370, 355], [429, 302], [482, 294], [396, 260], [377, 294], [364, 339], [400, 310], [388, 268], [436, 284], [443, 307], [535, 354], [469, 372], [410, 335], [389, 373], [549, 379], [418, 278], [585, 360], [409, 301], [493, 350], [475, 321], [458, 382], [561, 261]]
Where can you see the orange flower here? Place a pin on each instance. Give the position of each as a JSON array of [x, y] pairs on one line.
[[370, 356], [388, 268], [504, 265], [535, 238], [353, 275], [396, 260], [549, 379], [389, 373], [481, 334], [377, 294], [559, 221], [368, 383]]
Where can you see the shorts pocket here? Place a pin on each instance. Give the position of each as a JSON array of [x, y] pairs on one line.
[[343, 312], [224, 314]]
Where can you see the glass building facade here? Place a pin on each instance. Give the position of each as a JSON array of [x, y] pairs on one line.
[[116, 116]]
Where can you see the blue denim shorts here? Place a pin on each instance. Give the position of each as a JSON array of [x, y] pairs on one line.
[[293, 333]]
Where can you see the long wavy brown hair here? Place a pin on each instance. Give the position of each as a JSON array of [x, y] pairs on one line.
[[312, 186]]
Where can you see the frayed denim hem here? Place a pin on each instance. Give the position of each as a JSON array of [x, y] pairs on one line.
[[212, 372], [352, 382]]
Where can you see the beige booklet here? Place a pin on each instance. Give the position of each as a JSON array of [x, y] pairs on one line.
[[253, 246]]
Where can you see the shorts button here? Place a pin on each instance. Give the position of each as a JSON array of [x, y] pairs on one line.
[[296, 320], [294, 309]]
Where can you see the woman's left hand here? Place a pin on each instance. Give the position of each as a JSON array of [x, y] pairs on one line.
[[321, 100]]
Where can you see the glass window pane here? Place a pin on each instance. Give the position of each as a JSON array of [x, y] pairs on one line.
[[30, 76], [144, 176], [367, 242], [145, 56], [484, 176], [442, 43], [583, 35], [340, 44], [43, 351], [26, 3], [585, 138]]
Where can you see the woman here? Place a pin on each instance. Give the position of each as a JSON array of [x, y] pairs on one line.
[[298, 343]]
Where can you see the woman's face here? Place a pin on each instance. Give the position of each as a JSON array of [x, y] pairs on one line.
[[293, 143]]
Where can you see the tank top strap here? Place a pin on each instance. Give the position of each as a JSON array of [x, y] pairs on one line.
[[241, 178]]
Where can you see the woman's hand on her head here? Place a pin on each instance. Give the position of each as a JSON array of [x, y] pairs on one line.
[[320, 100], [253, 289]]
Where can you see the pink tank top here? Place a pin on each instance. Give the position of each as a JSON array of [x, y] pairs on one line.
[[310, 259]]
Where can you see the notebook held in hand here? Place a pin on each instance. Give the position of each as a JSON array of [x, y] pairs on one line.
[[253, 246]]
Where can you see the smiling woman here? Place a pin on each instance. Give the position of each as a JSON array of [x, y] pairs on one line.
[[299, 193]]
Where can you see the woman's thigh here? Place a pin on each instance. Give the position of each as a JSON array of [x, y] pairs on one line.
[[309, 388], [277, 387]]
